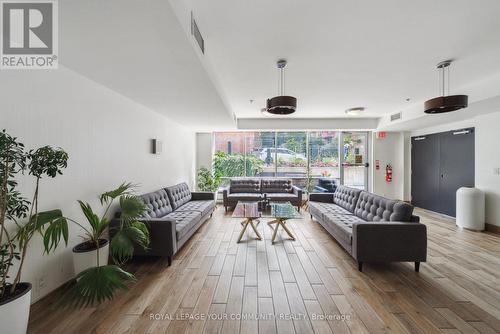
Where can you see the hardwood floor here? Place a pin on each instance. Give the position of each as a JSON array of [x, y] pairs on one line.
[[311, 282]]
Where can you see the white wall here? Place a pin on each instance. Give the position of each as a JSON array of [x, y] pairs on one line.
[[107, 137], [389, 150], [204, 148], [487, 157]]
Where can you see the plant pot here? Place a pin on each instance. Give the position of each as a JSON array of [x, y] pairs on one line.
[[15, 311], [85, 255]]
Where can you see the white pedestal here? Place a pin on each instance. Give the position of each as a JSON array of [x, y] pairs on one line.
[[470, 209]]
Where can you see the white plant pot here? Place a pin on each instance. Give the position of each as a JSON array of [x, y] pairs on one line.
[[85, 259], [14, 313]]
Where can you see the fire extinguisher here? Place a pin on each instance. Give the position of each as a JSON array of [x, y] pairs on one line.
[[388, 173]]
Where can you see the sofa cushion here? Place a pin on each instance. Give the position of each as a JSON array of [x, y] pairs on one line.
[[204, 207], [281, 196], [244, 197], [179, 194], [276, 186], [245, 185], [371, 207], [346, 197], [157, 204], [320, 208], [184, 221], [341, 225]]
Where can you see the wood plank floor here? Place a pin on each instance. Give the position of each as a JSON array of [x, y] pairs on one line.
[[310, 285]]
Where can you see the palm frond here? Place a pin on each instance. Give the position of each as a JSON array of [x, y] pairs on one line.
[[123, 189], [94, 286], [53, 233], [132, 208], [141, 238], [121, 247]]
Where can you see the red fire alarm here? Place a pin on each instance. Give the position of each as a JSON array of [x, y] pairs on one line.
[[380, 134]]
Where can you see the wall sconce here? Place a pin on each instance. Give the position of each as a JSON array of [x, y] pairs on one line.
[[156, 146]]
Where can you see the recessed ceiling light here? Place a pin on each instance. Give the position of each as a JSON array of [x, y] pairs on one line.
[[356, 111]]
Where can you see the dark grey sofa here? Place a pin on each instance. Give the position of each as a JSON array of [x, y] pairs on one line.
[[371, 228], [254, 189], [173, 215]]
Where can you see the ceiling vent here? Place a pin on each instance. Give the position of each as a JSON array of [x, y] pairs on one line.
[[395, 117], [197, 34]]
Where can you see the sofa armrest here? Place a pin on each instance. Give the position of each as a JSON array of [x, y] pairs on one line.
[[321, 197], [225, 191], [297, 192], [389, 241], [202, 195], [162, 236], [415, 219]]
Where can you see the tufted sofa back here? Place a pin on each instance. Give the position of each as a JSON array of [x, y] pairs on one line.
[[346, 197], [157, 203], [276, 186], [371, 207], [179, 194], [245, 185]]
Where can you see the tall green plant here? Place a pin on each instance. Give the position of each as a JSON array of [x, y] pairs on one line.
[[43, 162]]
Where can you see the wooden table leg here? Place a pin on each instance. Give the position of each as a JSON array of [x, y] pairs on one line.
[[255, 229], [283, 223], [280, 222], [245, 224]]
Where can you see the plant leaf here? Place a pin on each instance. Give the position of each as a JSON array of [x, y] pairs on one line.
[[94, 286], [121, 247], [123, 189], [53, 233], [132, 208]]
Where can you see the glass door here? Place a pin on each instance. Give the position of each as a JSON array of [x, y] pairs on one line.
[[354, 159]]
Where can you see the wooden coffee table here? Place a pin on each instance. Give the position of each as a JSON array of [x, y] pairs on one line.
[[249, 211]]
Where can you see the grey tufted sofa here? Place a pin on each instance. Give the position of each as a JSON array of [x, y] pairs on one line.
[[254, 189], [173, 215], [371, 228]]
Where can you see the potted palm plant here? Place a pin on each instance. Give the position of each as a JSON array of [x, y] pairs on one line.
[[96, 280], [15, 233]]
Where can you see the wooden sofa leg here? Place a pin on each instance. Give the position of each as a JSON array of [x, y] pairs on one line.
[[225, 208], [169, 260], [360, 266], [417, 266]]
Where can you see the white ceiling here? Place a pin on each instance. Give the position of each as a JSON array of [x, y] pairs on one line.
[[341, 54], [346, 53], [139, 49]]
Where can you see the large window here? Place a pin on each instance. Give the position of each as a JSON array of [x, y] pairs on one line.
[[291, 155], [324, 166], [312, 159]]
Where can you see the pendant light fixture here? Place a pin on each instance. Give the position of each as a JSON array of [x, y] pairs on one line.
[[445, 103], [282, 104]]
